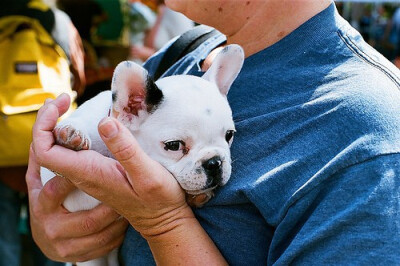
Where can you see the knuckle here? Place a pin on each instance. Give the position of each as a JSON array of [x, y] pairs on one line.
[[89, 224], [35, 211], [154, 185], [104, 239], [125, 152], [62, 252], [52, 232], [82, 258], [50, 190]]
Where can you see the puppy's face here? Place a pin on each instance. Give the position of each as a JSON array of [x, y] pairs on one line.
[[190, 132], [183, 122]]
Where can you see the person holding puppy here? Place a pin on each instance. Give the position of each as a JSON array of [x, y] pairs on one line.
[[316, 155]]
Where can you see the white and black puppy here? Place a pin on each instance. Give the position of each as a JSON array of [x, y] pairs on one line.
[[183, 122]]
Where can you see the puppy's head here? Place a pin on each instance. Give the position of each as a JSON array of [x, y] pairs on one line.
[[184, 122]]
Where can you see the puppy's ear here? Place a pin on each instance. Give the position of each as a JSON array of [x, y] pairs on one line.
[[134, 91], [225, 67]]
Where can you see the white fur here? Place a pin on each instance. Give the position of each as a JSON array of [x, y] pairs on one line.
[[193, 110]]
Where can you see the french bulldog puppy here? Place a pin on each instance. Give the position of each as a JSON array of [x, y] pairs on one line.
[[184, 122]]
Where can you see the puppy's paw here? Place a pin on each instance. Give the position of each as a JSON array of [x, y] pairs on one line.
[[71, 138]]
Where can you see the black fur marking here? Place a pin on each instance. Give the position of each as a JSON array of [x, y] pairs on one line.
[[154, 95], [226, 49], [114, 96], [128, 64]]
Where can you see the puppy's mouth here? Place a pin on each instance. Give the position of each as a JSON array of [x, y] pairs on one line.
[[200, 191]]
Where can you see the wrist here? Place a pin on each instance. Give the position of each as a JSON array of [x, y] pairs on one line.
[[164, 222], [184, 242]]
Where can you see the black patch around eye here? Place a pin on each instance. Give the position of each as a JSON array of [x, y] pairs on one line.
[[154, 94]]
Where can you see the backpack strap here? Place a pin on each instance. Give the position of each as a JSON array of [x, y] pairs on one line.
[[185, 44]]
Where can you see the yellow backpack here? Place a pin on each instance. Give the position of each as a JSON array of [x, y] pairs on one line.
[[32, 68]]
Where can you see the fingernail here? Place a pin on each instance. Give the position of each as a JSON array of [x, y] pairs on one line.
[[108, 128]]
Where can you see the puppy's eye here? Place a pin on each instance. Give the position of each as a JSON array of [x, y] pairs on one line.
[[229, 135], [174, 145]]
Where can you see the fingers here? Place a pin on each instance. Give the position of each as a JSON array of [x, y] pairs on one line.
[[84, 223], [54, 192], [57, 106], [93, 173], [93, 246], [63, 238], [46, 120], [32, 176]]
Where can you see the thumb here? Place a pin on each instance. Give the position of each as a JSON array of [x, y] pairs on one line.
[[125, 148], [150, 181], [46, 120]]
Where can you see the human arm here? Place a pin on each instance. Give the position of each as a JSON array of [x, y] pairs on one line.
[[77, 65], [67, 36], [137, 187]]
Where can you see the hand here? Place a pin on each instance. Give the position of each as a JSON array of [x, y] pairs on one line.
[[61, 235], [141, 52], [138, 188]]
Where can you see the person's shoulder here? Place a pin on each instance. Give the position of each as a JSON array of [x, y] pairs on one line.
[[368, 84], [370, 100], [360, 56]]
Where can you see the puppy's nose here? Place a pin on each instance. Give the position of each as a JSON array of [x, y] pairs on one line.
[[213, 170], [213, 165]]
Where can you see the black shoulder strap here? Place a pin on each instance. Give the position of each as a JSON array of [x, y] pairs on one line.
[[185, 44]]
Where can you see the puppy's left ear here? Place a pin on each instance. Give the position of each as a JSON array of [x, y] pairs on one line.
[[225, 67], [134, 91]]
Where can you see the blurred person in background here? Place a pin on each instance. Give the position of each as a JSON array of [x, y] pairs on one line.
[[141, 19], [167, 26], [381, 30], [395, 36], [85, 14]]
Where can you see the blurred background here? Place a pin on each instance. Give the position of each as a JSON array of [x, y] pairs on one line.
[[115, 30], [378, 22]]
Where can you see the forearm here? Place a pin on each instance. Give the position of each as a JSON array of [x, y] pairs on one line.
[[186, 243]]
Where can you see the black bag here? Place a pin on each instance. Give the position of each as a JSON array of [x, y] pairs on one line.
[[185, 44]]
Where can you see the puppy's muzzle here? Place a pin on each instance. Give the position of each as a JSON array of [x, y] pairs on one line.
[[213, 169]]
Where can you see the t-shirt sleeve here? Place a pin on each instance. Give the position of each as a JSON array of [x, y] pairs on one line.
[[353, 217]]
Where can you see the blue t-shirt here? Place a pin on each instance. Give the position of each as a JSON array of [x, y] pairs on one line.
[[316, 157]]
